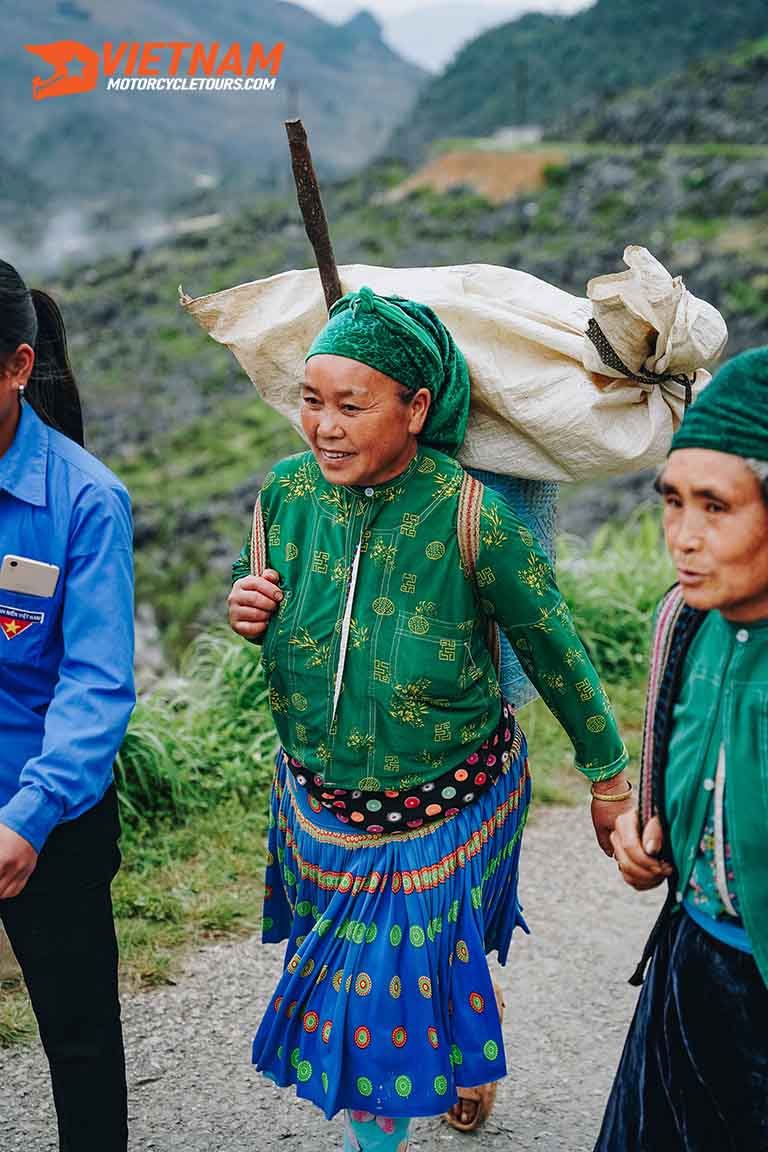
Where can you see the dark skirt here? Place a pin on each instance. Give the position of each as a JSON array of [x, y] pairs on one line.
[[693, 1076]]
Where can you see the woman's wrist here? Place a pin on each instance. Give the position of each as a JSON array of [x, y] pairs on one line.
[[616, 784]]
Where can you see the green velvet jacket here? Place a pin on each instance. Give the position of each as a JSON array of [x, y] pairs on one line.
[[723, 700], [418, 691]]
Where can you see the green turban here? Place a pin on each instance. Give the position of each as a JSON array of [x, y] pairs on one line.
[[731, 414], [409, 343]]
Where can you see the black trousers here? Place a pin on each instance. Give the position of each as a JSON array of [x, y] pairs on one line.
[[62, 932], [694, 1073]]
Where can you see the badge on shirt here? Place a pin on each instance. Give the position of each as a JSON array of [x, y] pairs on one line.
[[14, 621]]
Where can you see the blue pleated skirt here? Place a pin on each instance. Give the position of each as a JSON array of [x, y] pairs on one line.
[[386, 1003]]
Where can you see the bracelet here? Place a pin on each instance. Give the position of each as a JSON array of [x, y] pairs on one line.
[[614, 799]]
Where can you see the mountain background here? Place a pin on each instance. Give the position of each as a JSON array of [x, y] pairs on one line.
[[536, 68], [430, 32], [676, 159], [104, 168]]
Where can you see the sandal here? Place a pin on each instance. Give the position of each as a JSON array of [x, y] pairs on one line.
[[484, 1095]]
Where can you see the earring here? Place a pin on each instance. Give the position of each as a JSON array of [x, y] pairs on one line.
[[21, 391]]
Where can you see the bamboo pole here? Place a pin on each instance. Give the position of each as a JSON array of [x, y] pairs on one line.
[[312, 211]]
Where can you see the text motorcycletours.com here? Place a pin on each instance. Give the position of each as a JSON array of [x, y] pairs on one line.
[[156, 66]]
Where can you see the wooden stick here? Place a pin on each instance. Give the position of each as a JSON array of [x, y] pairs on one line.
[[311, 205]]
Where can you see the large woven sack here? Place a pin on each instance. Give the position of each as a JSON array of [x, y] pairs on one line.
[[548, 403]]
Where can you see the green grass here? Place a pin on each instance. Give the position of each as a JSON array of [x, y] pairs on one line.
[[613, 585]]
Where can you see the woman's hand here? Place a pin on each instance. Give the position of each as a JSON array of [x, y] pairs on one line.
[[606, 812], [252, 602], [18, 861], [637, 860]]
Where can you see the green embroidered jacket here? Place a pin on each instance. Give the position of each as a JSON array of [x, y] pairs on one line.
[[722, 702], [419, 692]]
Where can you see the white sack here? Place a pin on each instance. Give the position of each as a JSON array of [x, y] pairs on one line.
[[539, 407]]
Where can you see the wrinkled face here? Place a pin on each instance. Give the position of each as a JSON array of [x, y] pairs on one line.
[[357, 424], [716, 528]]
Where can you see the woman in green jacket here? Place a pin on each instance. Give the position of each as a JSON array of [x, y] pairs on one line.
[[694, 1074], [402, 783]]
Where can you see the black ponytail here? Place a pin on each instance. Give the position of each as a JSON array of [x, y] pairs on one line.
[[34, 318]]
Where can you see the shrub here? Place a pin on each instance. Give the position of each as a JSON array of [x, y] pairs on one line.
[[613, 585], [200, 739]]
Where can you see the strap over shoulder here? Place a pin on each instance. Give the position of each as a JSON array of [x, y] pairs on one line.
[[676, 625], [468, 532], [258, 541]]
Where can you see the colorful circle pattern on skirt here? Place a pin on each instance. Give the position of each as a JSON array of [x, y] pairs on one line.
[[386, 1003]]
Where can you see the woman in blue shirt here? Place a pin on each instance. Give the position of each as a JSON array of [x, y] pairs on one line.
[[66, 694]]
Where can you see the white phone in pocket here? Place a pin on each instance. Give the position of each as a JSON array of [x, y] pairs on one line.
[[33, 577]]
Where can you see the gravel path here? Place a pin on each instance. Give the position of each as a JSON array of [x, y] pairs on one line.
[[568, 1006]]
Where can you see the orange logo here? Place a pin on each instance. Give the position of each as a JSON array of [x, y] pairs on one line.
[[156, 66], [76, 69]]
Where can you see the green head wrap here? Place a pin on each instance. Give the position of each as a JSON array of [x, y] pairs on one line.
[[731, 414], [407, 342]]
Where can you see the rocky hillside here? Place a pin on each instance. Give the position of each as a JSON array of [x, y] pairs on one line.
[[535, 68], [719, 100], [180, 422], [103, 166]]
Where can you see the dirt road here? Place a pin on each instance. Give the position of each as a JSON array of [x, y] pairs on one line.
[[192, 1086]]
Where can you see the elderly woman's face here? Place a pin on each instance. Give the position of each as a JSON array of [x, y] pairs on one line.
[[356, 422], [716, 527]]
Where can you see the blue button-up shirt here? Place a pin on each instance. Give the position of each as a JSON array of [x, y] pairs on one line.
[[66, 662]]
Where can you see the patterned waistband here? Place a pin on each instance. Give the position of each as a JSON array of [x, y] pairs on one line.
[[355, 840]]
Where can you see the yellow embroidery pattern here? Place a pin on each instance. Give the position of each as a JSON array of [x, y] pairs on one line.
[[408, 705], [585, 690], [384, 553], [409, 524], [358, 634], [341, 572], [418, 625], [572, 657], [339, 503], [277, 702], [318, 653], [536, 575], [492, 531], [447, 486], [360, 741], [301, 483]]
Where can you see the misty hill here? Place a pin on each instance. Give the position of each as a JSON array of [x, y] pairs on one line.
[[534, 69], [723, 99], [432, 36], [109, 153]]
